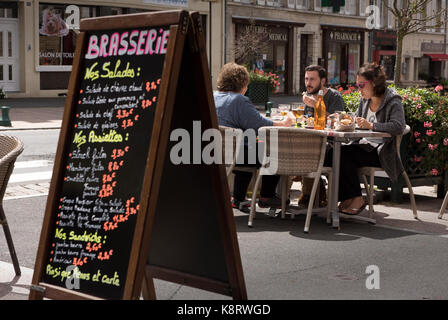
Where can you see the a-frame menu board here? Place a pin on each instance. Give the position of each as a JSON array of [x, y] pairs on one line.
[[113, 173]]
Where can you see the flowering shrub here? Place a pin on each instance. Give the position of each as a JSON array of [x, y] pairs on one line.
[[427, 115], [426, 112], [351, 97], [262, 76]]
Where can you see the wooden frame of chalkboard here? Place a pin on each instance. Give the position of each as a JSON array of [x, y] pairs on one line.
[[202, 249], [121, 256]]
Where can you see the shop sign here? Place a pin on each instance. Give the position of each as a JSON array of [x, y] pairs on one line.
[[177, 3], [274, 34], [384, 38], [345, 36], [432, 47]]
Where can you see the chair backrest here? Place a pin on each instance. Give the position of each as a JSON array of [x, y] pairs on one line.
[[399, 138], [10, 149], [231, 142], [298, 151]]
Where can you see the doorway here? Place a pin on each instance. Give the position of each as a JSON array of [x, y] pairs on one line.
[[9, 55], [280, 50]]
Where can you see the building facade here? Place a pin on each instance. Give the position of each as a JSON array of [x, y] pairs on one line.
[[37, 50], [35, 61], [302, 32]]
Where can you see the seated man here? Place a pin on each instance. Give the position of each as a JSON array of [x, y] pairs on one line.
[[234, 110], [315, 80]]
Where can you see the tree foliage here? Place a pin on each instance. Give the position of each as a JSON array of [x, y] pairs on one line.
[[412, 16]]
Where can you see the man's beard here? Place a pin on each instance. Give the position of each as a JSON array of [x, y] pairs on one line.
[[315, 91]]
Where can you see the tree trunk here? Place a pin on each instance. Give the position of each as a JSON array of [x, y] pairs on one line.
[[398, 59]]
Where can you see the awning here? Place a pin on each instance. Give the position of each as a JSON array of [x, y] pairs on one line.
[[437, 56]]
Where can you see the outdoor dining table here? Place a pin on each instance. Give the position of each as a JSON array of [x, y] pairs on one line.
[[338, 138]]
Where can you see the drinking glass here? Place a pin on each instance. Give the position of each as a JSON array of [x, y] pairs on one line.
[[284, 109], [298, 110]]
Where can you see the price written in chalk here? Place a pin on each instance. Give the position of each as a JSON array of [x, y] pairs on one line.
[[117, 153]]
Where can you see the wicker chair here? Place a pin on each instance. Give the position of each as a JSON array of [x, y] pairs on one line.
[[300, 152], [10, 149], [370, 171], [443, 207], [231, 141]]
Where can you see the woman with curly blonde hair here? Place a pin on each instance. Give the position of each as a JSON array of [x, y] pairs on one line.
[[234, 110]]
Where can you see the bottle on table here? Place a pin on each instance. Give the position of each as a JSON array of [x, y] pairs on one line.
[[268, 108], [320, 112]]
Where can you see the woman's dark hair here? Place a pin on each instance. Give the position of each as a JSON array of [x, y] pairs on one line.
[[233, 77], [321, 70], [375, 74]]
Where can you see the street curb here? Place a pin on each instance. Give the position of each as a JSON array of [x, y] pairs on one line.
[[23, 129]]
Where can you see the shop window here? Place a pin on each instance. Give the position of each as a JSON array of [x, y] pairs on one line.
[[8, 10], [353, 62], [334, 64], [110, 11], [302, 4], [349, 8], [56, 40]]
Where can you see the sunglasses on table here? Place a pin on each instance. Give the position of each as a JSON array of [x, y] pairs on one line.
[[362, 84]]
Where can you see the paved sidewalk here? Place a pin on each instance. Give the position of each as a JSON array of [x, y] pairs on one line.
[[34, 113]]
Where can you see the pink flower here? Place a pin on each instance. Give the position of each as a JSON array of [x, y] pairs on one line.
[[427, 124], [417, 134], [434, 172], [419, 106], [439, 88], [405, 96], [432, 147], [418, 140], [429, 112], [445, 141], [430, 132], [417, 159]]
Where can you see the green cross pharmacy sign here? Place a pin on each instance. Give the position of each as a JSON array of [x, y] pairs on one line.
[[336, 4]]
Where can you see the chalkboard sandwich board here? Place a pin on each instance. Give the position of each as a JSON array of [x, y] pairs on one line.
[[108, 216]]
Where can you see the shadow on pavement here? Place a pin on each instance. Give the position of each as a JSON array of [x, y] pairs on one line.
[[319, 230]]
